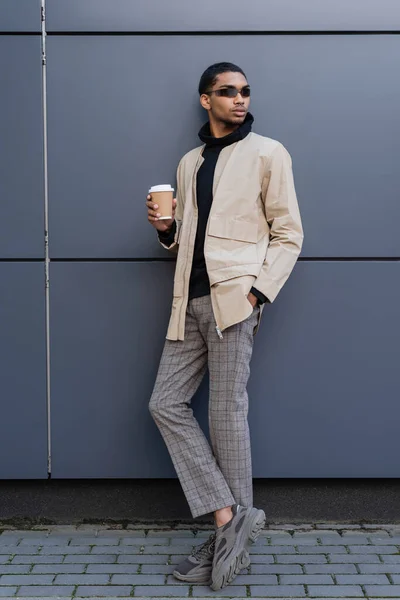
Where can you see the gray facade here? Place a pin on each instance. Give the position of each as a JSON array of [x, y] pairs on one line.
[[121, 108]]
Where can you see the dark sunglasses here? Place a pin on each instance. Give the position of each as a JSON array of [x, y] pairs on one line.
[[231, 92]]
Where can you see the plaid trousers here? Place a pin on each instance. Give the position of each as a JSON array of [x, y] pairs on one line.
[[216, 477]]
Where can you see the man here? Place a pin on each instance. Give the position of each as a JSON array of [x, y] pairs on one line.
[[237, 232]]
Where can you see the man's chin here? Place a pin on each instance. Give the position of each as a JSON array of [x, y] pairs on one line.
[[236, 119]]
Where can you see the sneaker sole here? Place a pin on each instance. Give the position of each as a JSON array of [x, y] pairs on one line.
[[193, 578], [244, 563], [249, 535]]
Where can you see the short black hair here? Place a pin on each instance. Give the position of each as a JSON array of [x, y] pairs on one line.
[[209, 77]]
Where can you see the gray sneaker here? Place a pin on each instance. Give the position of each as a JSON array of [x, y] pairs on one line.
[[198, 566], [232, 543]]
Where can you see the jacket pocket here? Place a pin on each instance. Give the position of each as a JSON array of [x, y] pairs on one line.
[[233, 229]]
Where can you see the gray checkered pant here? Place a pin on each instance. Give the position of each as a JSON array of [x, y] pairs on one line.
[[210, 478]]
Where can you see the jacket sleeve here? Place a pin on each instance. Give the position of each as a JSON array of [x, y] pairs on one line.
[[170, 240], [283, 217], [260, 297]]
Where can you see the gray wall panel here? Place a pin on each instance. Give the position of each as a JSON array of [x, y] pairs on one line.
[[23, 439], [107, 333], [20, 15], [21, 148], [325, 374], [120, 117], [224, 15], [324, 369]]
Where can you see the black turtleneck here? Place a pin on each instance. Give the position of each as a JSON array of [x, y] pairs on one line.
[[199, 284]]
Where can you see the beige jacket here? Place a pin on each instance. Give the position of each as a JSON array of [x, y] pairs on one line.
[[254, 232]]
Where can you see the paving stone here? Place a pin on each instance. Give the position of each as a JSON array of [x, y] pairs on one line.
[[288, 526], [63, 529], [390, 558], [135, 579], [254, 579], [107, 531], [59, 540], [106, 561], [90, 558], [160, 559], [362, 579], [265, 559], [390, 591], [177, 541], [338, 526], [351, 538], [26, 579], [395, 539], [307, 579], [278, 569], [115, 549], [91, 598], [37, 559], [381, 525], [330, 540], [342, 591], [25, 533], [45, 591], [353, 558], [167, 549], [172, 581], [379, 533], [279, 539], [89, 541], [321, 549], [97, 579], [373, 549], [295, 526], [107, 590], [7, 591], [57, 569], [301, 558], [274, 549], [328, 534], [111, 568], [148, 541], [65, 550], [286, 591], [179, 533], [29, 541], [14, 569], [300, 537], [87, 529], [14, 549], [379, 568], [173, 590], [156, 569], [347, 569], [206, 592]]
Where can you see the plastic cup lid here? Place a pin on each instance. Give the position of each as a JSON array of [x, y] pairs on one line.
[[161, 188]]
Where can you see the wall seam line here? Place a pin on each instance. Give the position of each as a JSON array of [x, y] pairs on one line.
[[46, 231]]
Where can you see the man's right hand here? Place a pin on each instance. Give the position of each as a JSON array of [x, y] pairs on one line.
[[152, 216]]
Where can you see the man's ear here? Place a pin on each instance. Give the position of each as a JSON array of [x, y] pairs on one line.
[[205, 101]]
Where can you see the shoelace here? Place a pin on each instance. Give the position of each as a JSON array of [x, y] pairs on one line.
[[205, 549]]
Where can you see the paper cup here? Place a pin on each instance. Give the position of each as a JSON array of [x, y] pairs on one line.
[[162, 195]]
